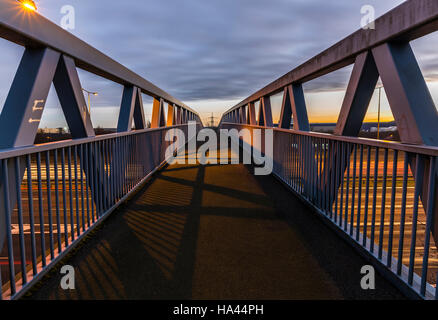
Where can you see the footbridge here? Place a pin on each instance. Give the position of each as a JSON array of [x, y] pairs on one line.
[[139, 215]]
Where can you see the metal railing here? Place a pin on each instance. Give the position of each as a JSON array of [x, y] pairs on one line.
[[347, 179], [63, 190], [367, 190], [52, 195]]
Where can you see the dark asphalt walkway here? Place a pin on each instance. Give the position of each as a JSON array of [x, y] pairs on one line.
[[214, 232]]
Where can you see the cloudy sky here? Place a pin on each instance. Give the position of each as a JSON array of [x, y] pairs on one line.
[[212, 53]]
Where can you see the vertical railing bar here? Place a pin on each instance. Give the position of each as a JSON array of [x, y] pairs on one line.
[[373, 215], [105, 180], [307, 169], [367, 197], [70, 185], [130, 155], [8, 225], [323, 176], [403, 214], [311, 155], [58, 218], [116, 168], [93, 177], [31, 214], [49, 206], [315, 151], [297, 164], [359, 199], [353, 189], [41, 211], [20, 221], [64, 197], [97, 182], [289, 171], [138, 160], [300, 162], [337, 181], [113, 189], [347, 190], [102, 176], [291, 163], [323, 184], [332, 179], [81, 169], [105, 174], [318, 173], [126, 166], [301, 166], [108, 175], [342, 183], [429, 217], [101, 147], [133, 147], [418, 187], [75, 164], [304, 188], [87, 182], [382, 210], [392, 212], [120, 165]]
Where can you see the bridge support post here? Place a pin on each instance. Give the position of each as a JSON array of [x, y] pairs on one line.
[[410, 102], [170, 115], [412, 106], [158, 114], [243, 115], [131, 109], [357, 98], [178, 115], [294, 106], [24, 107], [265, 113], [251, 114]]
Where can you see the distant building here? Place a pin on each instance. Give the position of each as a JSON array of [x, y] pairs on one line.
[[384, 126], [323, 127], [52, 130]]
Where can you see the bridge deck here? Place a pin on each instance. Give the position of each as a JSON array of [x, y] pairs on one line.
[[213, 232]]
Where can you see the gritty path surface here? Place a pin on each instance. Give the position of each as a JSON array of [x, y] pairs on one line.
[[214, 232]]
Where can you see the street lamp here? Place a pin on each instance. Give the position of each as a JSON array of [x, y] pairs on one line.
[[28, 4], [89, 100], [378, 112]]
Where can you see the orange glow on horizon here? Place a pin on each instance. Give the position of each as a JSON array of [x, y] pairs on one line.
[[329, 118]]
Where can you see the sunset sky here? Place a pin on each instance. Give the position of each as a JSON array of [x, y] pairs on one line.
[[213, 54]]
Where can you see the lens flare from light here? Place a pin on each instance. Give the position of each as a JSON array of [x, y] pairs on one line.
[[29, 5]]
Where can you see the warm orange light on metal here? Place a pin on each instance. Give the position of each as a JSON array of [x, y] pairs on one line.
[[28, 4]]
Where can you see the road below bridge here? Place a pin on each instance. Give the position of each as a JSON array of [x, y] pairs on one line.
[[213, 232]]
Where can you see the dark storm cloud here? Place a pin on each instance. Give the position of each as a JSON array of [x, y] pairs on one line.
[[222, 49]]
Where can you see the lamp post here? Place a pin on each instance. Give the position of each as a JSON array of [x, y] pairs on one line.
[[378, 112], [89, 93]]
